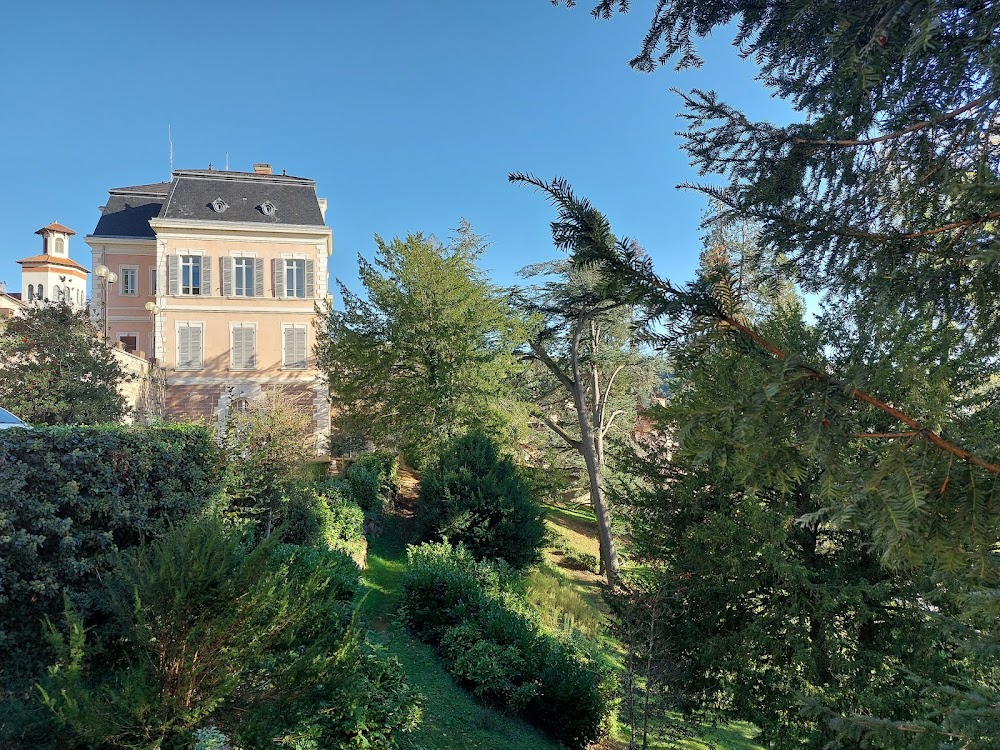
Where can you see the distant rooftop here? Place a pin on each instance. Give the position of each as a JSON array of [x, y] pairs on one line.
[[257, 197]]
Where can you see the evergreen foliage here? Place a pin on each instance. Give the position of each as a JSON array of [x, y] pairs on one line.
[[72, 498], [475, 497], [762, 616], [491, 642], [884, 199], [424, 354], [55, 370], [202, 628]]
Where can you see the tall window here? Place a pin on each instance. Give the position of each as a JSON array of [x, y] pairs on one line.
[[294, 347], [190, 346], [152, 281], [295, 278], [244, 347], [31, 292], [190, 274], [130, 280], [243, 281]]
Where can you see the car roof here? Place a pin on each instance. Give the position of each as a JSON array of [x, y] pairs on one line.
[[7, 418]]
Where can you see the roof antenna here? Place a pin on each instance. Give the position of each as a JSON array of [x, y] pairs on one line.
[[227, 160], [170, 141]]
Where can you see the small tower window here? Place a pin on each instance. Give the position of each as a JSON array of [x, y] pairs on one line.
[[60, 245], [41, 291], [31, 292]]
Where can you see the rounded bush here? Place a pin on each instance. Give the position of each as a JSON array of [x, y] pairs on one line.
[[475, 497]]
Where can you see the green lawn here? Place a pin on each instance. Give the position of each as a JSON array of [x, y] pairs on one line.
[[453, 719]]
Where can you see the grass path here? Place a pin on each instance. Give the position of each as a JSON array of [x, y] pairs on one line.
[[453, 720]]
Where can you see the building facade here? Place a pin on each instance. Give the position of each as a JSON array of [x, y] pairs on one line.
[[218, 278], [53, 276]]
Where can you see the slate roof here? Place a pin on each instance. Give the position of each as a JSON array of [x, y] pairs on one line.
[[129, 210], [244, 193], [191, 193]]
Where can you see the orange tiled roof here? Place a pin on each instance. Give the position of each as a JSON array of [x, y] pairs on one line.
[[55, 226], [52, 260]]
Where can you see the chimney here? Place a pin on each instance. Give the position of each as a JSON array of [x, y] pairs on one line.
[[262, 168]]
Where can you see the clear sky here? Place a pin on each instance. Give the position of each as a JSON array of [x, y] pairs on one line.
[[409, 115]]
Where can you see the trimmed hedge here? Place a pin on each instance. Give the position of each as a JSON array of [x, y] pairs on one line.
[[74, 497], [492, 644]]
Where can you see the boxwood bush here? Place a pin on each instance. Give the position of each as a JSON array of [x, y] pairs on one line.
[[491, 643], [72, 498]]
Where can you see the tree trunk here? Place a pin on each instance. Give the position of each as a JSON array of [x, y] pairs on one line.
[[589, 449]]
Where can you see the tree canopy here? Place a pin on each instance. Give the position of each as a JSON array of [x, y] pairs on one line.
[[425, 354], [55, 370]]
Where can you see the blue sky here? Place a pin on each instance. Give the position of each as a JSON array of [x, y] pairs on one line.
[[409, 115]]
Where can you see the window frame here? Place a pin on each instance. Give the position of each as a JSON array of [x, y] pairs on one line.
[[233, 327], [132, 272], [285, 329], [200, 325]]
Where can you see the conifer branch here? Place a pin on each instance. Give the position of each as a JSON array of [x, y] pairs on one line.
[[848, 143], [856, 393]]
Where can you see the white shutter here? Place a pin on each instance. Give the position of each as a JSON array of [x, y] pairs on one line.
[[206, 275], [279, 278], [258, 277], [183, 347], [173, 275], [227, 277], [244, 355], [295, 347], [310, 278], [236, 361], [197, 347], [250, 347]]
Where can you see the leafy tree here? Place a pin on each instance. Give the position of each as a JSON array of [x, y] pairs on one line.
[[265, 441], [425, 353], [475, 497], [55, 370], [587, 355]]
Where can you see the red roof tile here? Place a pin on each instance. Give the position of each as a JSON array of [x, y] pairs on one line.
[[55, 226]]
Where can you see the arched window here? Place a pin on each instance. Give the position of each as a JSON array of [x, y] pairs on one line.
[[60, 246], [31, 292], [41, 291]]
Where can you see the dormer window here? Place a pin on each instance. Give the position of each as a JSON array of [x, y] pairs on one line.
[[219, 205], [267, 208]]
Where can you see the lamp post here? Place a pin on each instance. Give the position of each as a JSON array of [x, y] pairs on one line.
[[153, 309], [109, 277]]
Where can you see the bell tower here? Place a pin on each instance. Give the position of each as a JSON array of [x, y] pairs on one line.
[[53, 276]]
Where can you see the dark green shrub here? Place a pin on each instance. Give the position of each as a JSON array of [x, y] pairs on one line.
[[322, 520], [477, 498], [260, 641], [72, 498], [384, 466], [364, 487], [444, 586], [492, 644]]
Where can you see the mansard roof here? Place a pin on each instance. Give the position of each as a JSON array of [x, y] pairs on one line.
[[245, 197], [210, 195]]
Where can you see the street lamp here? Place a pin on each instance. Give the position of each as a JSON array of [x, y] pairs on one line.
[[109, 277], [153, 309]]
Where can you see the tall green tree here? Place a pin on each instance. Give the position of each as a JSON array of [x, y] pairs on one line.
[[884, 199], [590, 371], [426, 353], [54, 369]]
